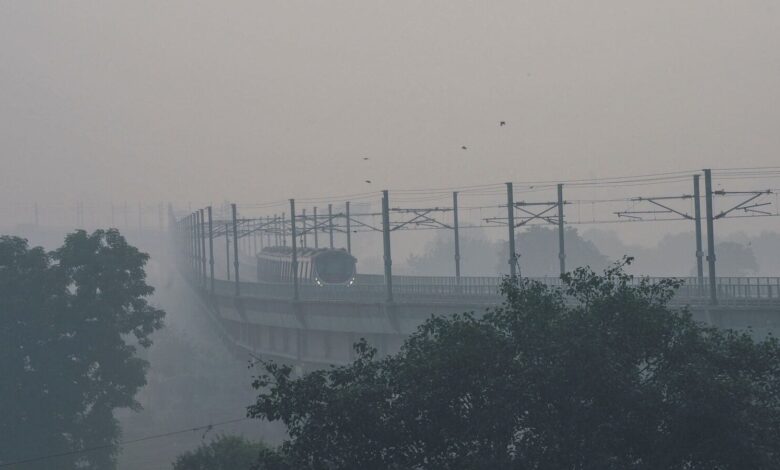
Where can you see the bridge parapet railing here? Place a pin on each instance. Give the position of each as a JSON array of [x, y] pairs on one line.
[[728, 289]]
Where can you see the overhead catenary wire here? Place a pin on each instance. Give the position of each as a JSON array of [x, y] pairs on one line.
[[85, 450]]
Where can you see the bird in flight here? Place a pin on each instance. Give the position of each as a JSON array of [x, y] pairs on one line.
[[464, 147], [365, 158], [368, 181], [502, 123]]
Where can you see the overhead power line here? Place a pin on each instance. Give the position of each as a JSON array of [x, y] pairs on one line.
[[121, 443]]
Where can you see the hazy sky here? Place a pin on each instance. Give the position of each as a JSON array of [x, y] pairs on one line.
[[256, 100]]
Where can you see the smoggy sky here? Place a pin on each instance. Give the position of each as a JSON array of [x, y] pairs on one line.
[[257, 100]]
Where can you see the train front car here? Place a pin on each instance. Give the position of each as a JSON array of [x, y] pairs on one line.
[[333, 267], [319, 267]]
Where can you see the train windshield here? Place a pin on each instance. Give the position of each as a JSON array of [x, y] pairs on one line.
[[335, 267]]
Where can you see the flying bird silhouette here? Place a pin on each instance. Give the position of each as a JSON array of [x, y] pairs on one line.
[[368, 181], [502, 123], [464, 147], [365, 158]]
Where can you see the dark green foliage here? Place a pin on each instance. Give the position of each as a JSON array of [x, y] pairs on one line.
[[229, 453], [70, 323], [600, 374]]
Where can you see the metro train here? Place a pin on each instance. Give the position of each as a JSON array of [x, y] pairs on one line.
[[316, 266]]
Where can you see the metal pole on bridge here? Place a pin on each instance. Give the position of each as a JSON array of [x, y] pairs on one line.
[[268, 228], [186, 234], [227, 250], [456, 230], [202, 226], [330, 224], [186, 238], [386, 243], [349, 231], [260, 233], [316, 235], [304, 235], [277, 240], [235, 248], [697, 225], [710, 236], [561, 244], [193, 244], [510, 207], [294, 251], [284, 230], [211, 250]]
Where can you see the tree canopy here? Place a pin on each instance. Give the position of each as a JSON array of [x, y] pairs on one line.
[[598, 374], [538, 250], [228, 453], [536, 245], [71, 321]]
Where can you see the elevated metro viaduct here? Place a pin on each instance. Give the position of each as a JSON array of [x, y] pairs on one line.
[[320, 328]]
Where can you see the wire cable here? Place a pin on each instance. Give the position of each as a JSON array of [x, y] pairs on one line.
[[121, 443]]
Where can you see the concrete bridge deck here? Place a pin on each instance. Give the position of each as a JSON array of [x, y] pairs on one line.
[[320, 328]]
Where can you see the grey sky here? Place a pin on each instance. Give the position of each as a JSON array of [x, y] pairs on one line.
[[257, 100]]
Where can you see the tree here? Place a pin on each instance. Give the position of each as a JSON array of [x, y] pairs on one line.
[[598, 374], [229, 453], [735, 259], [477, 253], [538, 250], [71, 322]]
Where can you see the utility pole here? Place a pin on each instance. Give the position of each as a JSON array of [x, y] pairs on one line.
[[304, 235], [561, 244], [330, 224], [260, 234], [710, 236], [194, 232], [284, 230], [268, 228], [386, 243], [277, 240], [235, 248], [456, 230], [185, 237], [211, 250], [316, 235], [227, 250], [193, 244], [294, 251], [349, 231], [510, 206], [697, 225], [203, 245]]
